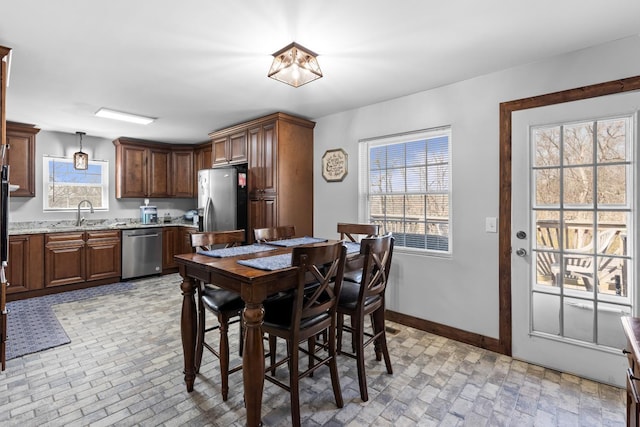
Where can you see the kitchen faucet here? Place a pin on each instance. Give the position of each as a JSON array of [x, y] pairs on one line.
[[80, 220]]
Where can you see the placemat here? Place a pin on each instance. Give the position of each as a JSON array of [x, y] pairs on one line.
[[297, 241], [236, 250], [269, 263], [352, 247]]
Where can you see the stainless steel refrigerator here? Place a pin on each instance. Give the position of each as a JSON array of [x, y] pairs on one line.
[[222, 198]]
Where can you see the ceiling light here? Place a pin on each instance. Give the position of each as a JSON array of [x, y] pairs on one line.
[[126, 117], [80, 159], [295, 65]]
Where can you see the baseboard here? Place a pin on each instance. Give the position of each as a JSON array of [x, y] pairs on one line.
[[466, 337]]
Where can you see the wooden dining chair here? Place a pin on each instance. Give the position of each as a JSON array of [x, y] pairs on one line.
[[270, 234], [359, 300], [355, 232], [224, 304], [304, 315]]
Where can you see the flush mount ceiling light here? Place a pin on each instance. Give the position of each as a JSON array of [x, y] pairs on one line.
[[295, 65], [80, 159], [125, 117]]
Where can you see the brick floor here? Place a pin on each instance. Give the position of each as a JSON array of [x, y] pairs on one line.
[[124, 367]]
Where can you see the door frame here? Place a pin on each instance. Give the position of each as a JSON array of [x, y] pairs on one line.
[[504, 225]]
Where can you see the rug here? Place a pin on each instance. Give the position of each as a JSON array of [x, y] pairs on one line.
[[32, 325]]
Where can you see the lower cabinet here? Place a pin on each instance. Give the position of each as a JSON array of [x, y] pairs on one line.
[[175, 241], [25, 269], [81, 256]]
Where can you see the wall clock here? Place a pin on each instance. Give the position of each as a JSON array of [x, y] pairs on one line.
[[334, 165]]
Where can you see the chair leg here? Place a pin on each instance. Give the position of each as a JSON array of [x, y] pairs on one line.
[[358, 342], [224, 357], [200, 333], [294, 382], [241, 332], [381, 342], [272, 353], [339, 326], [333, 367], [311, 344]]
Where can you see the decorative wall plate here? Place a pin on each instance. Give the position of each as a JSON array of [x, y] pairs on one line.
[[334, 165]]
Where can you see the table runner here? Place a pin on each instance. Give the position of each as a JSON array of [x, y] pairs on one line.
[[296, 242], [236, 250], [269, 263]]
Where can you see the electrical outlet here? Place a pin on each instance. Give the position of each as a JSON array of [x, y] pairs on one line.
[[491, 225]]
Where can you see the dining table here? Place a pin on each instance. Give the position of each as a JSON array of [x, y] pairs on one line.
[[240, 270]]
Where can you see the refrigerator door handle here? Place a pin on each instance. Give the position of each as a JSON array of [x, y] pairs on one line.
[[208, 216]]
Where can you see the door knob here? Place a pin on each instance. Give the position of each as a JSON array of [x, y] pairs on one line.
[[521, 235], [521, 252]]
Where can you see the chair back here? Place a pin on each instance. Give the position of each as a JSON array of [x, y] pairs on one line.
[[207, 240], [377, 252], [325, 263], [350, 231], [274, 233]]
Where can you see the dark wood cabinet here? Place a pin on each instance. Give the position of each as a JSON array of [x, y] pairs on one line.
[[77, 257], [175, 241], [103, 254], [64, 258], [229, 147], [142, 169], [280, 171], [202, 160], [182, 165], [25, 269], [21, 158], [158, 170]]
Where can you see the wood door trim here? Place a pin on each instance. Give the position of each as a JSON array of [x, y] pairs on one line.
[[504, 247]]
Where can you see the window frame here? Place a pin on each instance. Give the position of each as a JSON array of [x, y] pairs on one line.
[[104, 164], [364, 147]]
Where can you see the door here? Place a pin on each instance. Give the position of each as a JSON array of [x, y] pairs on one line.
[[573, 223]]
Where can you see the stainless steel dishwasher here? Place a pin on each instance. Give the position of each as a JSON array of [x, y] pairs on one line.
[[141, 252]]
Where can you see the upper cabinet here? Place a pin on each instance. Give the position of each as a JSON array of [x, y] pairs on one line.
[[229, 146], [202, 160], [20, 156], [149, 169]]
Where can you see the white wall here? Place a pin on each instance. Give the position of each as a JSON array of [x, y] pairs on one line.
[[460, 292], [64, 144]]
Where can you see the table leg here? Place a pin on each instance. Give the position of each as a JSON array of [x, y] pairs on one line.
[[188, 329], [253, 363]]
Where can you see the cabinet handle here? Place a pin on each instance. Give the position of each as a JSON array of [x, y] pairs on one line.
[[625, 351], [632, 386]]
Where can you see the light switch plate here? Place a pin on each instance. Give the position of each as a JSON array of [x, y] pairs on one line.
[[491, 224]]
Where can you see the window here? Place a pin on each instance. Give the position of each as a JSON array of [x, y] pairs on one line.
[[65, 187], [405, 188]]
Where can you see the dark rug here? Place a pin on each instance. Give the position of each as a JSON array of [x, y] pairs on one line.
[[32, 326]]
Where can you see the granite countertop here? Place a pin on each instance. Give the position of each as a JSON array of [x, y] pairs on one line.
[[37, 227]]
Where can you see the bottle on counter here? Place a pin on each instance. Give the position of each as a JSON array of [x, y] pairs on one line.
[[167, 218]]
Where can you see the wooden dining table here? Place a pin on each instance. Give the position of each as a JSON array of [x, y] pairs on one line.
[[254, 286]]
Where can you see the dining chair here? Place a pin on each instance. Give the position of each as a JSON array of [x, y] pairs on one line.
[[304, 315], [270, 234], [359, 300], [224, 304], [355, 233]]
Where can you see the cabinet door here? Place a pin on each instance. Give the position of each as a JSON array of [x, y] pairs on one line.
[[64, 259], [159, 170], [263, 160], [25, 270], [131, 176], [237, 149], [21, 158], [170, 240], [103, 254], [182, 173], [256, 160], [219, 151], [202, 160], [262, 214]]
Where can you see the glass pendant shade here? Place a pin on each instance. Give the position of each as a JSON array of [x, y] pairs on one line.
[[295, 65], [80, 159]]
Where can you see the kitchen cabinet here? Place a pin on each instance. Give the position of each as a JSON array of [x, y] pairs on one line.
[[182, 165], [142, 169], [175, 241], [76, 257], [25, 269], [280, 171], [21, 158], [202, 160], [229, 147]]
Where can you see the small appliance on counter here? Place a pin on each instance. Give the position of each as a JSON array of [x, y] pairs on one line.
[[148, 214]]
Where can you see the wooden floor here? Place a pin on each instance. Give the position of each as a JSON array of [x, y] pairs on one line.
[[124, 367]]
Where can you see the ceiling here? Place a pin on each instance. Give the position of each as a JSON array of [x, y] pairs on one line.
[[201, 65]]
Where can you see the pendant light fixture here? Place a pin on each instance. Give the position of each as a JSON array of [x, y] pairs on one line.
[[295, 65], [80, 159]]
